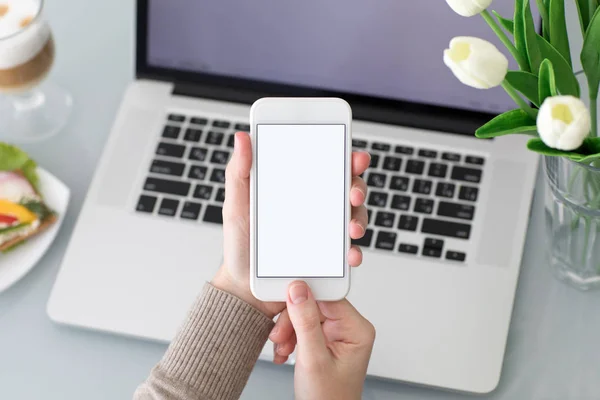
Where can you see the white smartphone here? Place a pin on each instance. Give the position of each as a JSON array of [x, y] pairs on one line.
[[300, 196]]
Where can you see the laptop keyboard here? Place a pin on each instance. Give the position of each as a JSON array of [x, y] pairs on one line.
[[419, 198]]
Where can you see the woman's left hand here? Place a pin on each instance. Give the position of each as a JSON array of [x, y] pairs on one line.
[[234, 275]]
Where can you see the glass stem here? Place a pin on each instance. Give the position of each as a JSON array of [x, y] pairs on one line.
[[28, 100], [519, 100], [523, 63]]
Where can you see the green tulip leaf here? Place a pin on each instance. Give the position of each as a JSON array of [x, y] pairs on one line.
[[525, 35], [590, 54], [557, 25], [542, 6], [567, 84], [588, 152], [526, 83], [514, 121], [506, 23], [586, 9], [547, 81]]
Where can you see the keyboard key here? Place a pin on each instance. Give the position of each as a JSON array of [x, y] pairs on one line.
[[445, 189], [243, 127], [474, 160], [213, 214], [454, 210], [171, 132], [219, 157], [359, 144], [381, 146], [198, 154], [408, 248], [451, 157], [168, 207], [366, 240], [399, 183], [386, 240], [192, 135], [415, 167], [428, 153], [221, 124], [369, 213], [215, 138], [466, 174], [218, 175], [404, 150], [378, 199], [408, 223], [176, 117], [198, 121], [429, 252], [220, 195], [191, 210], [203, 192], [422, 186], [197, 172], [401, 202], [434, 243], [438, 170], [424, 206], [376, 180], [167, 168], [374, 161], [231, 141], [385, 219], [146, 204], [392, 163], [170, 150], [468, 193], [167, 186], [455, 256], [445, 228]]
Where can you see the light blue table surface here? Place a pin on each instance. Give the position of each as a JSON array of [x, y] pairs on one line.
[[554, 344]]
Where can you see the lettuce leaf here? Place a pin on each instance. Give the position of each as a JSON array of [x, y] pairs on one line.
[[39, 209], [13, 158]]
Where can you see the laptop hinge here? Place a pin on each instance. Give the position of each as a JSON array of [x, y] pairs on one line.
[[235, 95]]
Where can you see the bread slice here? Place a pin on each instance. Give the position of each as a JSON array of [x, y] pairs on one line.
[[47, 223]]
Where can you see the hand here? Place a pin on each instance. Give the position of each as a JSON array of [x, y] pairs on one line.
[[334, 346], [233, 276]]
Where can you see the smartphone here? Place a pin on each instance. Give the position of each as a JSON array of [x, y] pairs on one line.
[[299, 196]]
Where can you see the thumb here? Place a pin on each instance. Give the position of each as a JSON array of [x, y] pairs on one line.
[[237, 182], [306, 319]]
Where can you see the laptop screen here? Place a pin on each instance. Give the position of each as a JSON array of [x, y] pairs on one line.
[[389, 49]]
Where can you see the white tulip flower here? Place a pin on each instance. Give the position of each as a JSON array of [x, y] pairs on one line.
[[468, 8], [476, 62], [563, 122]]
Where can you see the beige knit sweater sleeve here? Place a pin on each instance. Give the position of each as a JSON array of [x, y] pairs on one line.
[[213, 354]]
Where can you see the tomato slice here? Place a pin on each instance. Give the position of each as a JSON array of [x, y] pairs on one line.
[[7, 219]]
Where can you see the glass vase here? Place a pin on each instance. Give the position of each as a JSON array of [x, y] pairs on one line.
[[573, 221]]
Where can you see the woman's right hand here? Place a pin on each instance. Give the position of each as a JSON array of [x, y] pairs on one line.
[[334, 344]]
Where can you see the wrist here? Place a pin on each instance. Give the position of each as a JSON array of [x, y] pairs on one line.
[[223, 281]]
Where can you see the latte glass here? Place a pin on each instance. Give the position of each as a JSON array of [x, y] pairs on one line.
[[31, 109]]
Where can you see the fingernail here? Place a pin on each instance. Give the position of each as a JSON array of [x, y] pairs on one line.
[[362, 192], [274, 332], [359, 224], [298, 293]]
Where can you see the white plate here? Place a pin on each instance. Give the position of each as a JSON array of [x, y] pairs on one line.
[[15, 264]]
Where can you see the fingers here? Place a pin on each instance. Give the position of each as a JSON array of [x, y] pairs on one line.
[[345, 323], [360, 162], [305, 316], [359, 222], [355, 256], [283, 330], [237, 182], [358, 192]]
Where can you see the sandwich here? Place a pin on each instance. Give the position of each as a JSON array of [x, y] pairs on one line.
[[23, 212]]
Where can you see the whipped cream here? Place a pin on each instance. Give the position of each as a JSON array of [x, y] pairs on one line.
[[23, 34]]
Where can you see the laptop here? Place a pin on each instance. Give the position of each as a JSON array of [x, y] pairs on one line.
[[448, 211]]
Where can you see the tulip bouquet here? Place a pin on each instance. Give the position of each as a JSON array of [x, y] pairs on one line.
[[545, 88]]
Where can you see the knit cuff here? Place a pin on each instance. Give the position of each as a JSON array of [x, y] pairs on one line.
[[218, 345]]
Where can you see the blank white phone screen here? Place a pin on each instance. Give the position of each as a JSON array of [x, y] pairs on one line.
[[300, 201]]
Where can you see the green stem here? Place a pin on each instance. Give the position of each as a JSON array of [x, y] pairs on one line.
[[594, 116], [523, 63], [519, 100]]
